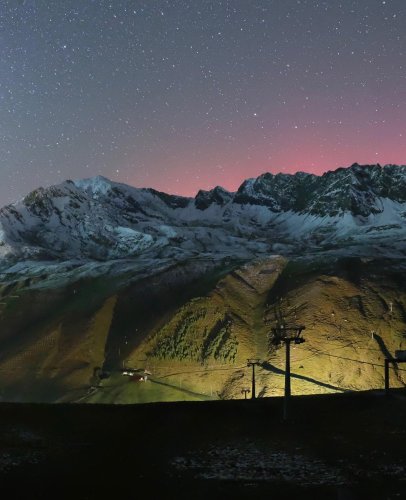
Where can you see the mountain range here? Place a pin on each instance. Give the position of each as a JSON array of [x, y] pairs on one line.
[[102, 220], [97, 277]]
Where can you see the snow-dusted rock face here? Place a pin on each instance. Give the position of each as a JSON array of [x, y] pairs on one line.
[[361, 209], [357, 190]]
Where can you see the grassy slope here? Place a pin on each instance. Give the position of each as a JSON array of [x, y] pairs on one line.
[[206, 343], [56, 349], [341, 303], [194, 330], [350, 328], [52, 340]]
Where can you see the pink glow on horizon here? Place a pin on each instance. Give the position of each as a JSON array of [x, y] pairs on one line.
[[289, 149], [231, 176]]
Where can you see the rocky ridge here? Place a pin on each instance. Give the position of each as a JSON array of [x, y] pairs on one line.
[[349, 209]]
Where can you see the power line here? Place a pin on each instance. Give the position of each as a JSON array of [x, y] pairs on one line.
[[233, 368]]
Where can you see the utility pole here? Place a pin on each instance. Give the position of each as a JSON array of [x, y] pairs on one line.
[[387, 361], [287, 371], [287, 334], [245, 392], [400, 357], [253, 362]]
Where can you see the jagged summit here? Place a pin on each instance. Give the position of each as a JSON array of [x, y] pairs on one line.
[[356, 189], [97, 184], [279, 191], [218, 195], [359, 207]]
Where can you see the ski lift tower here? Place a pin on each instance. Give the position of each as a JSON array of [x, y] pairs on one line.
[[287, 334], [253, 362], [400, 357]]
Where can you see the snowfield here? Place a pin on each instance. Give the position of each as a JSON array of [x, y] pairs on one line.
[[355, 211]]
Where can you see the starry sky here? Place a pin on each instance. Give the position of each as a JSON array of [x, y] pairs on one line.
[[180, 95]]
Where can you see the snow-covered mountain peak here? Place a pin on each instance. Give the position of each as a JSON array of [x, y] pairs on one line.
[[97, 218], [356, 190], [95, 185]]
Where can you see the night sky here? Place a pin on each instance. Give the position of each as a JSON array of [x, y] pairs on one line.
[[182, 95]]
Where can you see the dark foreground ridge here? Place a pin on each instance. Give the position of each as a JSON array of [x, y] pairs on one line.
[[341, 446]]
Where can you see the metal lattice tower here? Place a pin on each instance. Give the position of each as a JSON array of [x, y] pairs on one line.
[[287, 334], [253, 362]]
